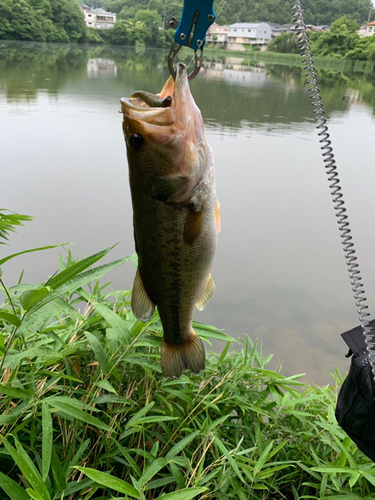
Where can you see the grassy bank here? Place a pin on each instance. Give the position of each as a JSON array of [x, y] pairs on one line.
[[86, 414], [331, 63]]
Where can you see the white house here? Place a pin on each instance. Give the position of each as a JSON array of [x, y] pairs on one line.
[[217, 34], [240, 34], [367, 30], [98, 18]]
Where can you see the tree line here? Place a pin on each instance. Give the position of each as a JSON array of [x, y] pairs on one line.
[[143, 20], [342, 41], [229, 12]]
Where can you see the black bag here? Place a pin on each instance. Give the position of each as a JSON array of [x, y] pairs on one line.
[[355, 410]]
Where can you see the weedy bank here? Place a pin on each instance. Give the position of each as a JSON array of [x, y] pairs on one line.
[[86, 414]]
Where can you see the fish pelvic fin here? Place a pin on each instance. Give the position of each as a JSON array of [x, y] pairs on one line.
[[217, 217], [177, 358], [207, 294], [142, 306]]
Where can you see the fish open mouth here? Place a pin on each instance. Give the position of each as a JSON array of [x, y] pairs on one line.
[[163, 108], [165, 115]]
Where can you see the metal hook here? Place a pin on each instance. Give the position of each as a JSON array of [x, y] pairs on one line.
[[197, 17], [198, 58]]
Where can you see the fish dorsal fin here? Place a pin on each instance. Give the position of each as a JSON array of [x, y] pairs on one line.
[[207, 294], [217, 217], [142, 306]]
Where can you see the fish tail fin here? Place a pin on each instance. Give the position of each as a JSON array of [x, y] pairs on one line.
[[189, 355]]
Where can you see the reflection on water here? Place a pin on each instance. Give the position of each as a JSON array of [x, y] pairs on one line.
[[279, 272], [101, 68]]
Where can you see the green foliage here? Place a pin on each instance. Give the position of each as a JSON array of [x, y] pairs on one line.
[[335, 43], [132, 31], [8, 222], [93, 35], [286, 43], [41, 21], [85, 412], [128, 32], [364, 49], [342, 41], [344, 24], [322, 12]]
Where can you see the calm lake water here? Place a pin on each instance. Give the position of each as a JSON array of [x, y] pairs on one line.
[[279, 270]]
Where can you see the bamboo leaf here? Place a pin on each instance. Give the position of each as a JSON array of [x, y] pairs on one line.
[[12, 489], [104, 384], [30, 298], [99, 352], [229, 457], [370, 478], [75, 412], [34, 494], [15, 392], [216, 423], [154, 468], [58, 472], [10, 318], [140, 414], [181, 445], [79, 281], [5, 259], [27, 467], [75, 269], [113, 319], [153, 419], [47, 437], [110, 481], [334, 470], [184, 494], [262, 459]]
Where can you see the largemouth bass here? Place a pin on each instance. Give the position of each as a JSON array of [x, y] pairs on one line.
[[175, 216]]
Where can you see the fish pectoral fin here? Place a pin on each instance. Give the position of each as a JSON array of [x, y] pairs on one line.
[[207, 294], [188, 355], [217, 217], [193, 226], [142, 306]]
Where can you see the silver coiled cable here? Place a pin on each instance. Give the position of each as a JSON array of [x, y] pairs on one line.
[[334, 181]]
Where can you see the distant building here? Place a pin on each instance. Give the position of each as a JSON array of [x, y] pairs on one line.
[[217, 34], [367, 30], [98, 18], [321, 27], [277, 29], [292, 28], [241, 34]]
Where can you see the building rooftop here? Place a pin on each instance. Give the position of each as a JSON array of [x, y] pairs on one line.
[[244, 25], [102, 12], [371, 24]]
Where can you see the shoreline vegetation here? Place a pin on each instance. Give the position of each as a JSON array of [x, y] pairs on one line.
[[147, 22], [86, 414]]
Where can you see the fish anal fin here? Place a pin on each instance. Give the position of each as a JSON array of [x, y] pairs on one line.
[[188, 355], [217, 217], [207, 294], [142, 306], [193, 226]]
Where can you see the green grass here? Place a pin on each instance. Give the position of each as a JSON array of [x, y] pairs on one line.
[[85, 412], [320, 62]]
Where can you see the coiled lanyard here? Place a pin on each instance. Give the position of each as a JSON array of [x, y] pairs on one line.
[[197, 17], [334, 182]]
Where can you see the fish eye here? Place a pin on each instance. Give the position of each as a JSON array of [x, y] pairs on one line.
[[136, 141]]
